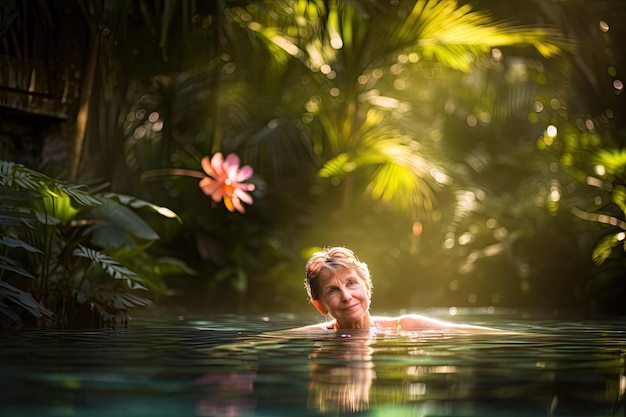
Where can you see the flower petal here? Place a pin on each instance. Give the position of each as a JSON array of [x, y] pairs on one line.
[[238, 206], [231, 160], [211, 188], [228, 202], [207, 168], [244, 173], [218, 164], [245, 197]]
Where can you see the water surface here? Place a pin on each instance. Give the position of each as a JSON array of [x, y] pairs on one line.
[[231, 366]]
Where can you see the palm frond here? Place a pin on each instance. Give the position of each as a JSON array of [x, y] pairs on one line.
[[17, 217], [110, 266], [337, 166], [613, 160], [17, 243], [605, 247], [24, 300], [450, 33], [79, 194], [11, 265], [9, 194], [16, 175]]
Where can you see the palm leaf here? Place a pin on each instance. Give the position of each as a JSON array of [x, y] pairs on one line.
[[10, 194], [24, 300], [16, 175], [443, 30], [110, 266], [11, 265], [605, 247], [79, 194], [613, 160], [10, 217], [8, 313], [337, 166], [17, 243]]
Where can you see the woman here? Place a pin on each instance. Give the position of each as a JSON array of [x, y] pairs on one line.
[[340, 287]]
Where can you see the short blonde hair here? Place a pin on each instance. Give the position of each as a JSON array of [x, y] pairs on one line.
[[329, 259]]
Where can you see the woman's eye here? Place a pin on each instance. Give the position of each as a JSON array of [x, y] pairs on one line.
[[351, 283]]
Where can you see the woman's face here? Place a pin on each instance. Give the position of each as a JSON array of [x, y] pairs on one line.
[[343, 295]]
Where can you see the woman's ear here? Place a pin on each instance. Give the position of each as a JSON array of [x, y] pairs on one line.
[[319, 307]]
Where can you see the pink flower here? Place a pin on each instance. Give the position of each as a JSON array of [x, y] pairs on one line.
[[224, 181]]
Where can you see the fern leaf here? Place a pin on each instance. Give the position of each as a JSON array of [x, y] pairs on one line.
[[109, 265]]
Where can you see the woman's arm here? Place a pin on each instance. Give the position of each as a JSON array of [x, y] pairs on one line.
[[416, 322]]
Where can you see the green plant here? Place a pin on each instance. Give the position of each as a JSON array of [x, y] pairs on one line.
[[66, 251]]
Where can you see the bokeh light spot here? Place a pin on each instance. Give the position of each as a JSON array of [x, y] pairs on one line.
[[418, 228], [335, 41], [471, 120], [604, 27], [399, 84], [551, 131]]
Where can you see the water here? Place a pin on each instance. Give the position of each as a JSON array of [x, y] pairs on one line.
[[229, 366]]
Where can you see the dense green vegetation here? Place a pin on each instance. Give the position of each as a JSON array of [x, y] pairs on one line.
[[71, 256], [471, 153]]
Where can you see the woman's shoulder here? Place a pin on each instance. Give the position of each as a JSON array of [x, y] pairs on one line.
[[315, 327], [416, 322]]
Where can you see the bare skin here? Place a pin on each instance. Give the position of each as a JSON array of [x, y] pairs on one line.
[[344, 296]]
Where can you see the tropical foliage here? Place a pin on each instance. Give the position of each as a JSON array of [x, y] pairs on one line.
[[460, 155], [429, 109], [72, 256]]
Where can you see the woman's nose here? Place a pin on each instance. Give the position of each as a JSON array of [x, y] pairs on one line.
[[345, 294]]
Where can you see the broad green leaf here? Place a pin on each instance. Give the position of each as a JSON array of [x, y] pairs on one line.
[[119, 216], [135, 202]]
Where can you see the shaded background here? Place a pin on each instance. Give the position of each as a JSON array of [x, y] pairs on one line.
[[467, 167]]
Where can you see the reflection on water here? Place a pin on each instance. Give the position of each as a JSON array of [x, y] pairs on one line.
[[231, 367], [342, 372]]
